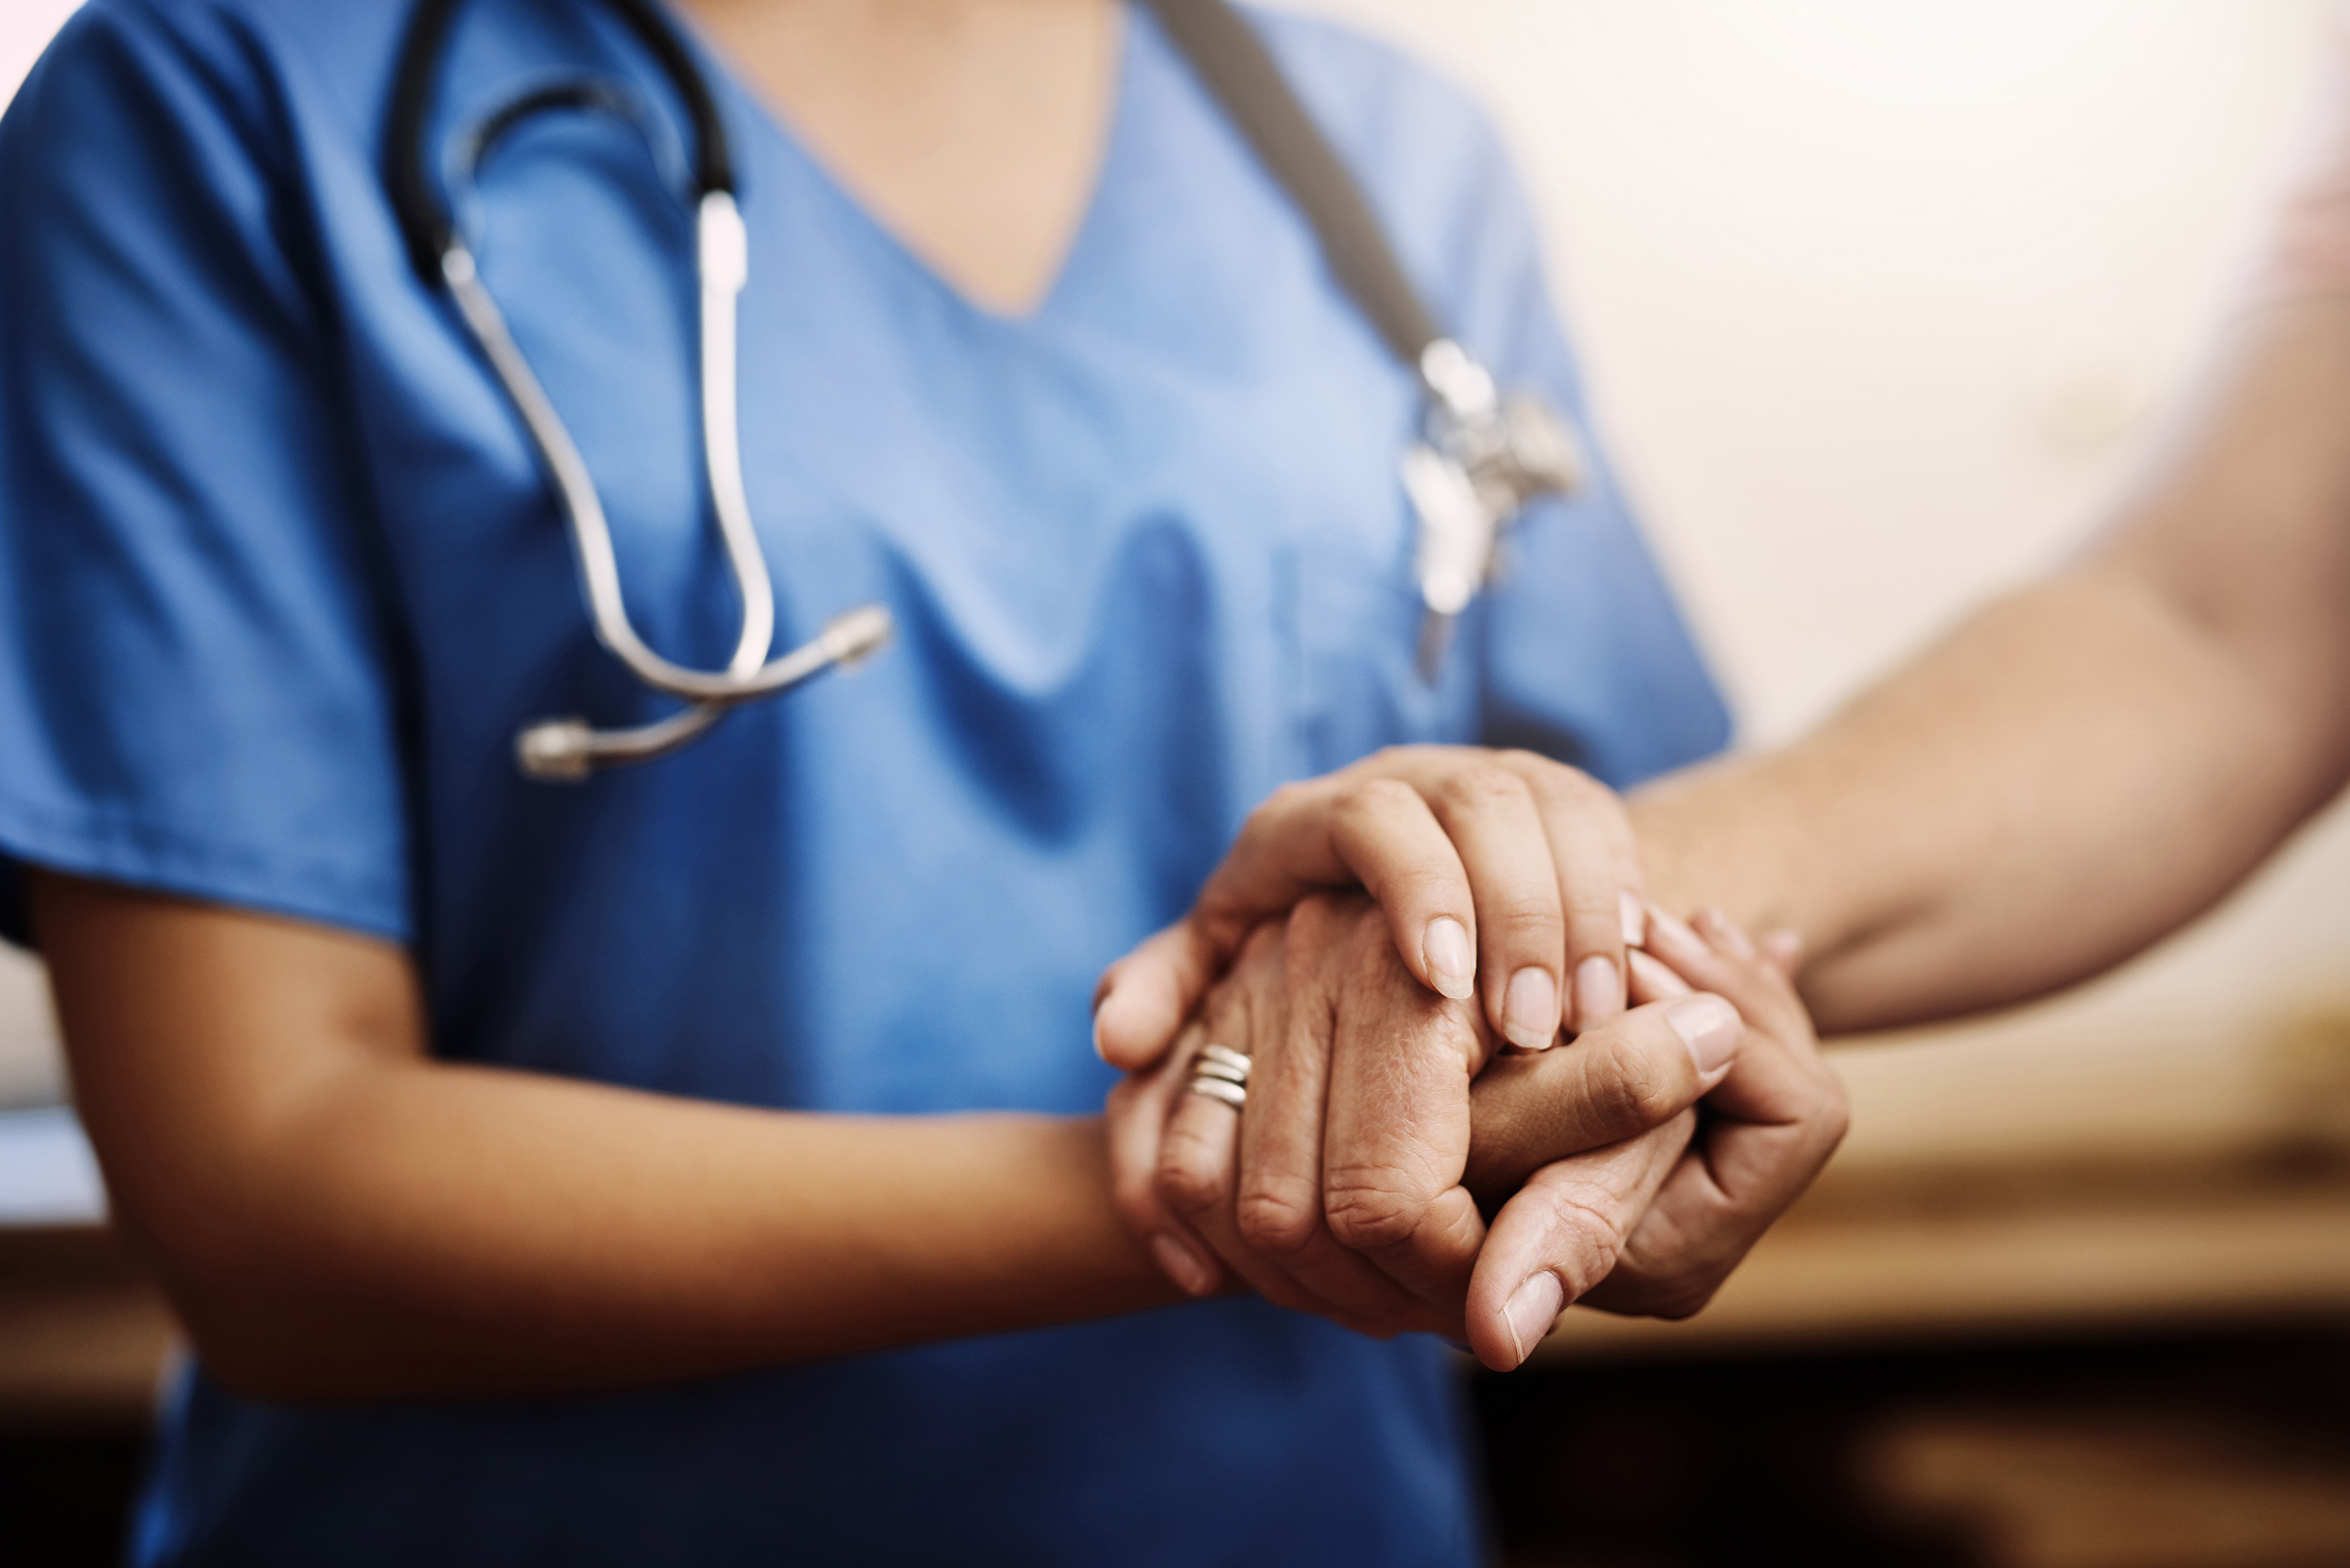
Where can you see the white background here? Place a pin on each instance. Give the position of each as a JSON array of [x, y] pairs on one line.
[[1882, 302]]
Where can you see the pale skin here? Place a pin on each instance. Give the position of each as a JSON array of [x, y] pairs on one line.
[[2069, 775], [972, 130], [339, 1214]]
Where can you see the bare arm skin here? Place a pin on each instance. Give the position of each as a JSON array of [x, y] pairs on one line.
[[2087, 763], [2069, 775], [337, 1215]]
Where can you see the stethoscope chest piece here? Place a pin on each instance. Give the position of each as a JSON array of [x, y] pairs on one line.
[[1481, 459]]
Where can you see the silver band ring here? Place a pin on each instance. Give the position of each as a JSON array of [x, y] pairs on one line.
[[1232, 1095], [1221, 1073], [1224, 1056]]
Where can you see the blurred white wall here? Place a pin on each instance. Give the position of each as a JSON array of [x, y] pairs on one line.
[[1877, 298], [1882, 303], [25, 28], [27, 1060]]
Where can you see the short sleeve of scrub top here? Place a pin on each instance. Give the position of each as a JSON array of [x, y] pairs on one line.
[[279, 579]]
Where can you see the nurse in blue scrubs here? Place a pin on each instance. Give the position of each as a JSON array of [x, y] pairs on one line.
[[694, 1165]]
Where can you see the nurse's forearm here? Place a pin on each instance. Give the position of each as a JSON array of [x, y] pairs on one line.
[[452, 1230], [2090, 761], [338, 1215]]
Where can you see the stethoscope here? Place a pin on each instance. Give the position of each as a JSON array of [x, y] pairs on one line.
[[1482, 457]]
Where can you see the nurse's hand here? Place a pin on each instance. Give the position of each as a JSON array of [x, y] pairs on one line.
[[1504, 877], [1352, 1185]]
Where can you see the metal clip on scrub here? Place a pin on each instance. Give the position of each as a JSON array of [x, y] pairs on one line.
[[1482, 458]]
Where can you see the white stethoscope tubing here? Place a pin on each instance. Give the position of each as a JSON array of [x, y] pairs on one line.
[[1481, 459], [566, 747]]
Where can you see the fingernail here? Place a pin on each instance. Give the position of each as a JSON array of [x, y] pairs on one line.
[[1783, 948], [1530, 1013], [1598, 992], [1097, 1044], [1725, 932], [1450, 965], [1667, 932], [1658, 981], [1709, 1027], [1636, 919], [1182, 1265], [1534, 1312]]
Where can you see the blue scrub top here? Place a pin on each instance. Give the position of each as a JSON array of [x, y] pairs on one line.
[[279, 578]]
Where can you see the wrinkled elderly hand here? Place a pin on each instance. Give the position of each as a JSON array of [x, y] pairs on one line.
[[1379, 1127], [1352, 1185], [1769, 1129]]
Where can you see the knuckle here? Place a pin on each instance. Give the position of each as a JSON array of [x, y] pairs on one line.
[[1630, 1090], [1321, 925], [1553, 774], [1588, 1234], [1527, 916], [1276, 815], [1261, 943], [1572, 789], [1190, 1181], [1482, 785], [1377, 797], [1369, 1207], [1402, 757], [1593, 910], [1277, 1217], [1285, 798]]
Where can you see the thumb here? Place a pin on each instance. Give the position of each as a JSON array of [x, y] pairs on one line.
[[1560, 1236], [1144, 997], [1636, 1072]]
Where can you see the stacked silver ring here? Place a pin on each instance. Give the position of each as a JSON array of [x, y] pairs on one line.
[[1221, 1074]]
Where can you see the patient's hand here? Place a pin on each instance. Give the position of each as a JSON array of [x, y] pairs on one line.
[[1769, 1126], [1350, 1187]]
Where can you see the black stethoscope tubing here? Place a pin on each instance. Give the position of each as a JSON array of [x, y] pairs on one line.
[[423, 220], [1482, 458]]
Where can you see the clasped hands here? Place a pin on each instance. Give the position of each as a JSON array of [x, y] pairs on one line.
[[1443, 1131]]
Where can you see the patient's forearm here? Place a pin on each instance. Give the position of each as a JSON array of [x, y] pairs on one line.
[[2087, 763], [2055, 786]]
